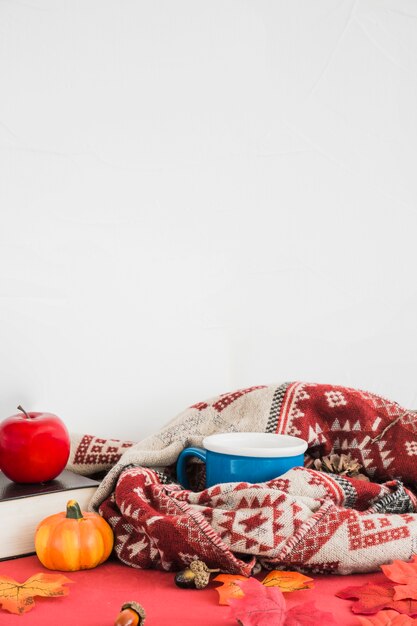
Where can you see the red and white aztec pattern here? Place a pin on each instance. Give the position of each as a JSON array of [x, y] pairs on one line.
[[91, 455], [339, 419], [299, 521], [304, 519]]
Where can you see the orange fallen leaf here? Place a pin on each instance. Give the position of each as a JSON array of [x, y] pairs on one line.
[[387, 618], [403, 572], [288, 581], [405, 592], [285, 581], [229, 588], [19, 597]]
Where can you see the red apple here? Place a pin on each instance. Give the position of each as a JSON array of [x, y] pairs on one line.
[[34, 447]]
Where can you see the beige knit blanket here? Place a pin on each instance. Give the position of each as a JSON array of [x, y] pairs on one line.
[[304, 519]]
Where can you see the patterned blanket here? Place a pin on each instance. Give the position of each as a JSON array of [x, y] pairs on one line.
[[305, 519]]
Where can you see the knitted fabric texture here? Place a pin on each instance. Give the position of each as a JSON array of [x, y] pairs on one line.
[[304, 519]]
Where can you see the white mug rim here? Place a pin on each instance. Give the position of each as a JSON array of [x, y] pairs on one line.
[[255, 444]]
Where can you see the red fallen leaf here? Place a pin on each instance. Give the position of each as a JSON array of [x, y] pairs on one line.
[[403, 572], [264, 606], [18, 597], [372, 598], [260, 605], [307, 614], [387, 618]]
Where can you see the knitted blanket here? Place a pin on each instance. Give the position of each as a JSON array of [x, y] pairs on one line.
[[305, 519]]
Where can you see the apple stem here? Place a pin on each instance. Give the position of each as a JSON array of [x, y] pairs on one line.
[[23, 411]]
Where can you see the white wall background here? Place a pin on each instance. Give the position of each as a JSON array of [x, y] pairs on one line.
[[201, 195]]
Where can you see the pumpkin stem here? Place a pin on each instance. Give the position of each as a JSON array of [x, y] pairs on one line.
[[73, 510], [20, 408]]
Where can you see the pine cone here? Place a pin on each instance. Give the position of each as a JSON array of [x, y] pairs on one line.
[[342, 464]]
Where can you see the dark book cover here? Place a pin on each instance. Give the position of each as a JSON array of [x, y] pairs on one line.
[[66, 481]]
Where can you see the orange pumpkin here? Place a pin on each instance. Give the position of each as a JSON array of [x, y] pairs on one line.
[[73, 540]]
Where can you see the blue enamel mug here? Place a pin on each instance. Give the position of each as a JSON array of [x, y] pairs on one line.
[[244, 457]]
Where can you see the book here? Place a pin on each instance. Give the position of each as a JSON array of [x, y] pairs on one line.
[[24, 506]]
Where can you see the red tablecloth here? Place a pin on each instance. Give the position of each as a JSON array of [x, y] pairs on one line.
[[96, 596]]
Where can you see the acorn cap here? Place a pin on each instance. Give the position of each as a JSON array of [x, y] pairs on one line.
[[198, 566], [138, 608], [201, 573], [201, 580]]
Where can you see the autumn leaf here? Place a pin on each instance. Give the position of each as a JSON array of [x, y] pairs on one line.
[[387, 618], [263, 606], [307, 614], [405, 592], [229, 588], [19, 597], [372, 598], [288, 581], [285, 581], [403, 572], [260, 605]]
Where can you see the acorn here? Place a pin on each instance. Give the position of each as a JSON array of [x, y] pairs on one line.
[[195, 576], [131, 614]]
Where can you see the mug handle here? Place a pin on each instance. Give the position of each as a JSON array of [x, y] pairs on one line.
[[182, 461]]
